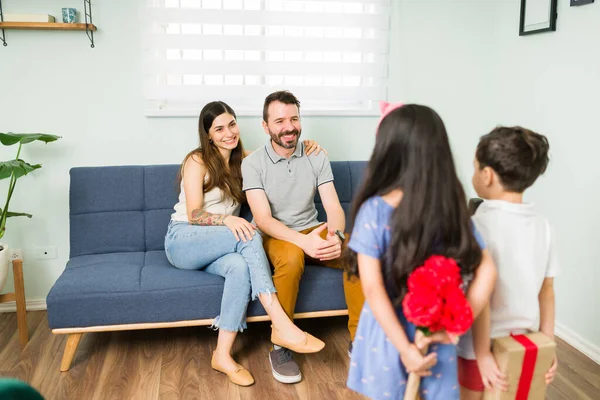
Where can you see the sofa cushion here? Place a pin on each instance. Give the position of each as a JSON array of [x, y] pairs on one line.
[[101, 273], [160, 186], [155, 223], [321, 289], [138, 287], [159, 274], [107, 232], [98, 189]]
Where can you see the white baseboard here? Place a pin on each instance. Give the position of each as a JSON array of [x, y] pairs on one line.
[[32, 305], [587, 348]]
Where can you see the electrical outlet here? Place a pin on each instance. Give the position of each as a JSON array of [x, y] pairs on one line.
[[44, 252], [15, 254]]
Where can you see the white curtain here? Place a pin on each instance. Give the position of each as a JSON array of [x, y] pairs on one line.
[[332, 55]]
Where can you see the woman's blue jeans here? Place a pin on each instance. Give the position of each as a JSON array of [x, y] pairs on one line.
[[215, 250]]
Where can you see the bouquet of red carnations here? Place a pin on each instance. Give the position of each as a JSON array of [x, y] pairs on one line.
[[435, 302]]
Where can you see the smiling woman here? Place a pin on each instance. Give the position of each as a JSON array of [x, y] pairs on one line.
[[221, 150]]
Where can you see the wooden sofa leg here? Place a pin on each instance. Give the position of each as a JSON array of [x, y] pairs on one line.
[[70, 349]]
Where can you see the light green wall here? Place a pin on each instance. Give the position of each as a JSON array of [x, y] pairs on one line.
[[463, 58]]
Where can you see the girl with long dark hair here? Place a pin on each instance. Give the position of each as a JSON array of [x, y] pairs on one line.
[[411, 206]]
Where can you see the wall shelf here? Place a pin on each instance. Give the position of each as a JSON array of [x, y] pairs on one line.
[[88, 26], [47, 26]]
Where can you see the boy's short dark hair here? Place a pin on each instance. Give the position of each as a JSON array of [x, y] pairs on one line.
[[519, 156], [283, 96]]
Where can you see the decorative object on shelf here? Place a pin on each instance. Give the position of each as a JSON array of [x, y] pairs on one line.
[[28, 18], [69, 15], [15, 169], [580, 2], [537, 16], [88, 26]]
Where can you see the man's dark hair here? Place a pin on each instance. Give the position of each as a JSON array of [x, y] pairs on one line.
[[283, 96]]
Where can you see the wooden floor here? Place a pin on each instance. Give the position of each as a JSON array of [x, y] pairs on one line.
[[175, 364]]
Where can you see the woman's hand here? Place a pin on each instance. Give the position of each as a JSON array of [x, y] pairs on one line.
[[241, 228], [312, 146]]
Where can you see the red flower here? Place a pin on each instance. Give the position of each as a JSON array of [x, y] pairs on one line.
[[457, 316], [423, 307], [447, 270], [423, 278], [435, 300]]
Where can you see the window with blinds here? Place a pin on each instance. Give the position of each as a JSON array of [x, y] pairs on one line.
[[332, 55]]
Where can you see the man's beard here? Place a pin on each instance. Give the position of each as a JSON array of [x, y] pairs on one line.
[[286, 145]]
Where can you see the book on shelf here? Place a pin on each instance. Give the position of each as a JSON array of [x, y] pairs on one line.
[[28, 18]]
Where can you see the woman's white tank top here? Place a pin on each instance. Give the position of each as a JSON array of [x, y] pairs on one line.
[[214, 203]]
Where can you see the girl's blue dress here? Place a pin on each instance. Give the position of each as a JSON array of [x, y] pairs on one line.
[[375, 367]]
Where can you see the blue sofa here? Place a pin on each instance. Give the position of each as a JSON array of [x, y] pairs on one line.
[[118, 277]]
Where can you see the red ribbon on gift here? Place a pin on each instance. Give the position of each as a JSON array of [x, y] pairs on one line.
[[529, 360]]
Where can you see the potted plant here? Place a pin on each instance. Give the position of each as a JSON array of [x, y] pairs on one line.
[[13, 170]]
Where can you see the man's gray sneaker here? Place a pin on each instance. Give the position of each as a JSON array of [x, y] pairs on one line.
[[283, 366]]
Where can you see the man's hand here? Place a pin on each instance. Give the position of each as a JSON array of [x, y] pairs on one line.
[[313, 244], [333, 249]]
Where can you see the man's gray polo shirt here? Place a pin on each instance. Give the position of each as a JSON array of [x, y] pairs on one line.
[[290, 184]]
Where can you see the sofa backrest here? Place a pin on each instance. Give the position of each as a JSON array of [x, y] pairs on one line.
[[127, 208]]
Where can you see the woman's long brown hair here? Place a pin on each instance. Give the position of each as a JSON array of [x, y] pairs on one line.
[[228, 178]]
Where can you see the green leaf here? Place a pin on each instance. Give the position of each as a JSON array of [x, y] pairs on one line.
[[17, 214], [425, 330], [8, 139], [18, 167]]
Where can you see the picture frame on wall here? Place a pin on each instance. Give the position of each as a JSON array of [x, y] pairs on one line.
[[538, 16], [580, 2]]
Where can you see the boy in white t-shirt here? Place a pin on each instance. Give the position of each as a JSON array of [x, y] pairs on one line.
[[508, 161]]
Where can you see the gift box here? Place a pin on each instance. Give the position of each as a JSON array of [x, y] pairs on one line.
[[525, 360]]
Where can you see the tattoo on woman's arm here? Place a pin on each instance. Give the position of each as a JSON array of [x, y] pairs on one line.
[[204, 218]]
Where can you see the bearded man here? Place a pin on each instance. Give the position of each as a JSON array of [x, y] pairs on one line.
[[280, 183]]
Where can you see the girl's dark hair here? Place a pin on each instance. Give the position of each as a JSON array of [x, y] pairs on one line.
[[519, 156], [412, 153], [228, 179]]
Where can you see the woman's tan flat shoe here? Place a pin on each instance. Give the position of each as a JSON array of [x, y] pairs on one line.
[[241, 376], [310, 344]]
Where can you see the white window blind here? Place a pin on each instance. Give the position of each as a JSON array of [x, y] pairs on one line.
[[333, 55]]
